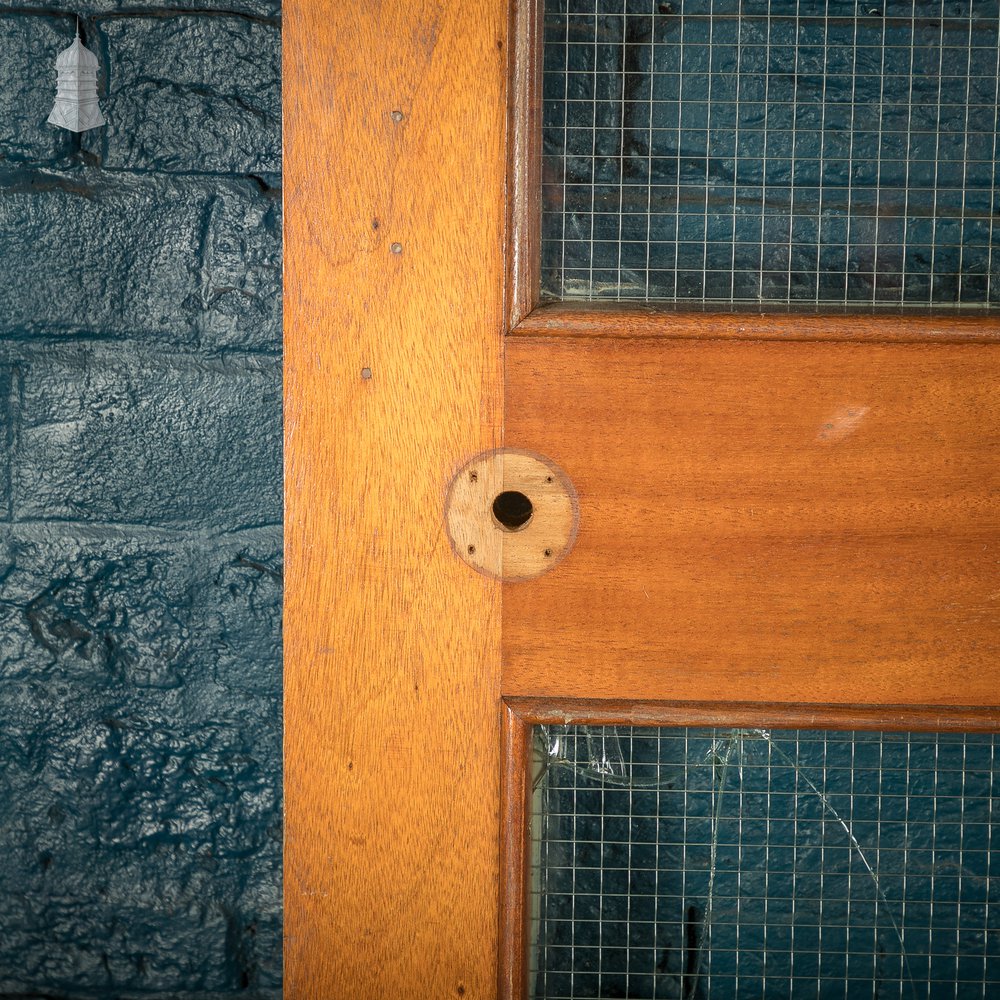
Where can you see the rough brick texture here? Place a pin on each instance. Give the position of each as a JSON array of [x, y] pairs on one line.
[[140, 486], [179, 260]]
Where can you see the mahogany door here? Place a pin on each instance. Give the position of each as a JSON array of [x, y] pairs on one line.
[[786, 517]]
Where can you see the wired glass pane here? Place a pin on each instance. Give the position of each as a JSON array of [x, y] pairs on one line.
[[771, 151], [703, 864]]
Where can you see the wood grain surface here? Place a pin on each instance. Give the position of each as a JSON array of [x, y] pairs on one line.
[[393, 323], [811, 523]]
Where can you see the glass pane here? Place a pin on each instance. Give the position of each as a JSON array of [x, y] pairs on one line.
[[747, 151], [703, 864]]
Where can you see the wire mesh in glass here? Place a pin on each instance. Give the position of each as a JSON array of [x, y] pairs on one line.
[[771, 151], [701, 864]]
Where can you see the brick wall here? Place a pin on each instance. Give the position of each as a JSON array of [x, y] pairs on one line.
[[140, 565]]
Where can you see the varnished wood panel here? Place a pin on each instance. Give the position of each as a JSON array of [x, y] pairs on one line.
[[394, 213], [763, 522]]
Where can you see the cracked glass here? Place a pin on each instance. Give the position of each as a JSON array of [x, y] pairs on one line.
[[711, 864]]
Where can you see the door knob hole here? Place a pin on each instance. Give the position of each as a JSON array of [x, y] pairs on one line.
[[512, 510], [525, 496]]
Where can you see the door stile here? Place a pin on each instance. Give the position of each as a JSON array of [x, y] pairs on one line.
[[395, 119]]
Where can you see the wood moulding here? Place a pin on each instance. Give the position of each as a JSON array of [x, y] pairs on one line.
[[637, 320], [753, 715]]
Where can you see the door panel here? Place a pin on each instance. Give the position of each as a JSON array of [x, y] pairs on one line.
[[768, 522], [761, 863]]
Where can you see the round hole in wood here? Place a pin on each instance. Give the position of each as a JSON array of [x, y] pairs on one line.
[[512, 509], [511, 514]]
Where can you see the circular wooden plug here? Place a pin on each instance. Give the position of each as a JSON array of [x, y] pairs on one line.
[[511, 514]]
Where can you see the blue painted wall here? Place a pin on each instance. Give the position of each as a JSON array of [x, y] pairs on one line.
[[140, 490]]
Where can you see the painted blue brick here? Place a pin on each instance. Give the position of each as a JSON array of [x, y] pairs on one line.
[[149, 439], [140, 794], [191, 93], [29, 44], [140, 503], [188, 261], [260, 10], [9, 425]]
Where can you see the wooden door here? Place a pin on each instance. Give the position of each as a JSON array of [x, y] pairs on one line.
[[786, 518]]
